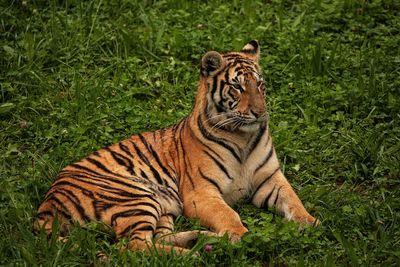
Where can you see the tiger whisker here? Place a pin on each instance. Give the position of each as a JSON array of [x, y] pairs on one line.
[[222, 123], [228, 115], [237, 124], [215, 116]]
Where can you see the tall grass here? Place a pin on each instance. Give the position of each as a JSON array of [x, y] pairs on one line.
[[78, 75]]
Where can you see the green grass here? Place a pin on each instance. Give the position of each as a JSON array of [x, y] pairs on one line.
[[78, 75]]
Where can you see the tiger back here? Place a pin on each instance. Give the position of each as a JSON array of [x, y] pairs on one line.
[[220, 153]]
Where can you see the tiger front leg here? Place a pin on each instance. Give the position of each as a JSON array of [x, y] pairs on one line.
[[214, 213], [273, 190], [164, 233]]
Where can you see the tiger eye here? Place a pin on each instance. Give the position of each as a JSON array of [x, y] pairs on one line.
[[235, 92]]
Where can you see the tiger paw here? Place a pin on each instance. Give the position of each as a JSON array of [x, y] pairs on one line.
[[310, 220], [234, 234]]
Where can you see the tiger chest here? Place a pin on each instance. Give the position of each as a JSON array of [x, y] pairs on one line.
[[237, 188], [242, 182]]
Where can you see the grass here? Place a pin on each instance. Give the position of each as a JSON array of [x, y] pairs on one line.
[[78, 75]]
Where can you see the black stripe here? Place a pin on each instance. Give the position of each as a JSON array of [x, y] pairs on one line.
[[277, 196], [162, 131], [176, 137], [127, 194], [145, 228], [147, 162], [109, 189], [124, 200], [133, 226], [131, 238], [220, 165], [209, 136], [187, 163], [63, 182], [109, 186], [265, 203], [175, 126], [143, 174], [142, 203], [114, 199], [219, 109], [100, 206], [205, 145], [43, 214], [214, 86], [247, 62], [211, 181], [79, 175], [154, 136], [131, 213], [263, 182], [68, 194], [221, 97], [267, 158], [84, 192], [166, 191], [161, 229], [102, 167], [155, 155], [145, 143], [65, 212], [257, 139], [227, 76], [87, 180], [94, 180], [122, 160], [125, 149], [77, 166]]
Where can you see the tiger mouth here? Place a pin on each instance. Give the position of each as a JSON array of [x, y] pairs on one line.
[[250, 120], [244, 121], [253, 121]]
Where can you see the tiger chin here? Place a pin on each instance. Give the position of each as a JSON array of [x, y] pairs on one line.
[[220, 153]]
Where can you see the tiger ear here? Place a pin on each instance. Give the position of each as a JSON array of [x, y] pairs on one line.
[[252, 49], [211, 63]]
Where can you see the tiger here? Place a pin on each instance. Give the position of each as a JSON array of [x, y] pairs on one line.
[[200, 167]]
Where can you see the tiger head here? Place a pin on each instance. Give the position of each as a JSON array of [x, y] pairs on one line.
[[234, 89]]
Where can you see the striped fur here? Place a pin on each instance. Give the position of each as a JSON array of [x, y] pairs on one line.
[[220, 153]]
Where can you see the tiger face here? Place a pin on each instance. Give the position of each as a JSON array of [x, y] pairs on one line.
[[236, 89]]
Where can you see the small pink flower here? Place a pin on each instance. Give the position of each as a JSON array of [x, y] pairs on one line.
[[208, 248]]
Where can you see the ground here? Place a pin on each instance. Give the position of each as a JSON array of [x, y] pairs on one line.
[[79, 75]]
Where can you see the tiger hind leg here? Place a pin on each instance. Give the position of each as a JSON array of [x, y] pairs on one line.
[[141, 232], [51, 213]]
